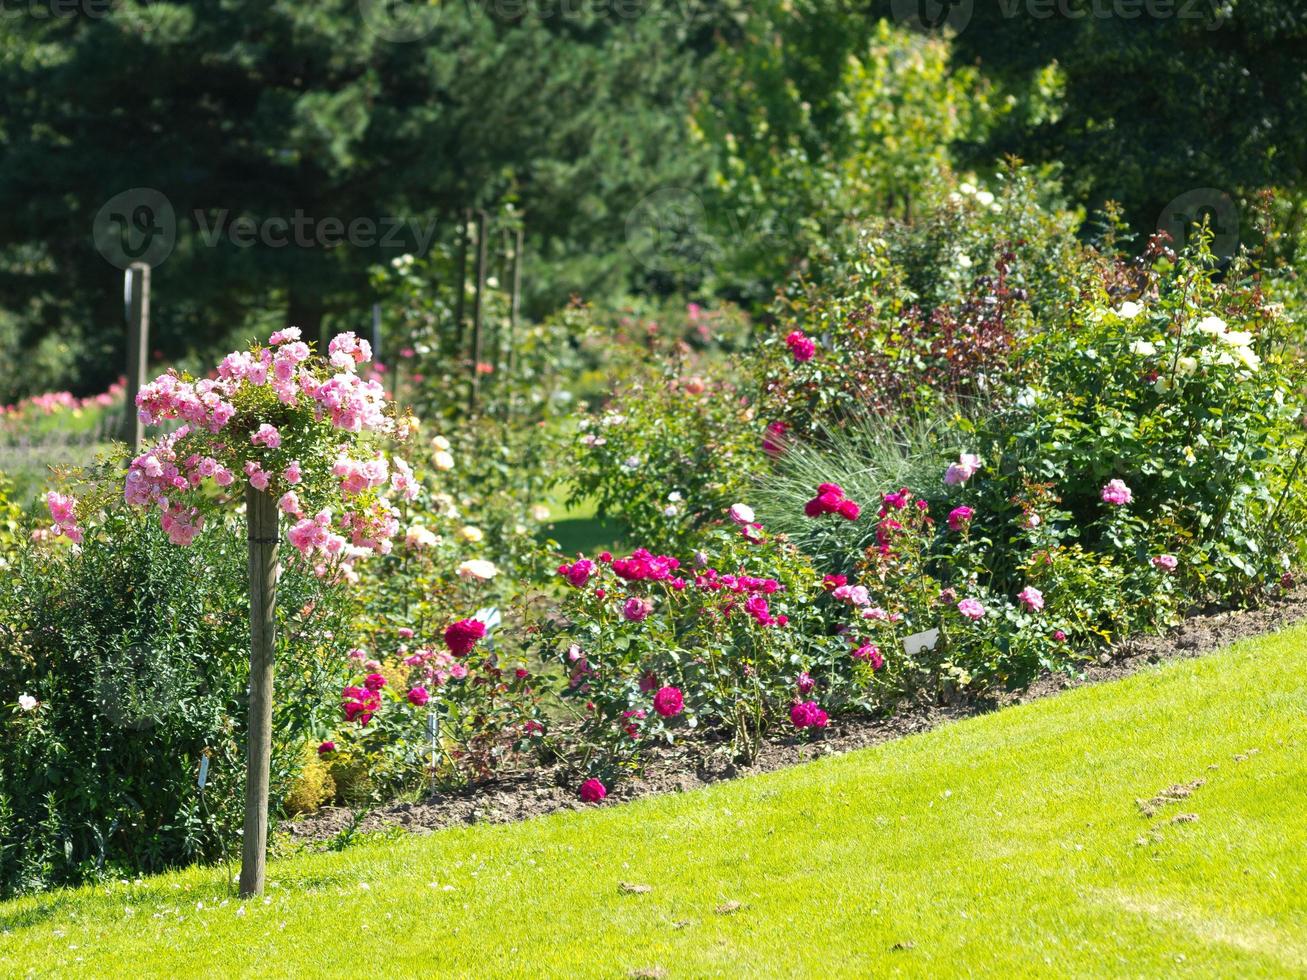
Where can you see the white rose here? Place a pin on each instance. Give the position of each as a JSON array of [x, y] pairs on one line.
[[1186, 365], [477, 568], [470, 534], [1142, 348], [540, 513], [442, 460], [440, 442], [26, 702], [1128, 310], [1212, 325], [1237, 338]]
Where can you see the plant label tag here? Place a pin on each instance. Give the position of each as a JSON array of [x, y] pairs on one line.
[[204, 771], [918, 642]]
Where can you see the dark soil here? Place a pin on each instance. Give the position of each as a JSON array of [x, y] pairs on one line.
[[690, 766]]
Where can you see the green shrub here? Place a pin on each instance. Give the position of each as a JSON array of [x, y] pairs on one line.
[[137, 655]]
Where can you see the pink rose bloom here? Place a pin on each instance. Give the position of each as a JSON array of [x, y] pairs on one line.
[[462, 637], [960, 516], [963, 470], [801, 346], [871, 654], [808, 714], [773, 441], [418, 696], [1167, 563], [374, 682], [1117, 493], [972, 609], [592, 791], [326, 748], [289, 503], [741, 513], [61, 507], [669, 702], [267, 435], [849, 510], [292, 473], [578, 573], [1031, 598], [636, 609], [1059, 635]]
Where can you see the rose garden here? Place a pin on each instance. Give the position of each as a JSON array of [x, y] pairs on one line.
[[700, 625]]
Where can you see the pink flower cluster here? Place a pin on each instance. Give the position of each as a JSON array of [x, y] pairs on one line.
[[63, 511], [774, 439], [808, 714], [830, 499], [1117, 493], [462, 637], [963, 470], [361, 703], [870, 653], [801, 346]]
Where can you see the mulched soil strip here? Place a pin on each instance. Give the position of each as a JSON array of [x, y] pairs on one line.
[[546, 789]]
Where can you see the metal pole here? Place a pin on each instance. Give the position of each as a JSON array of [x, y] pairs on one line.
[[136, 288]]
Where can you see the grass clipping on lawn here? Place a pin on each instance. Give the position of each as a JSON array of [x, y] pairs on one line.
[[1149, 826]]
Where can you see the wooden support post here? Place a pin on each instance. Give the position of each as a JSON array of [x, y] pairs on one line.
[[514, 311], [136, 289], [261, 521], [478, 309], [460, 294]]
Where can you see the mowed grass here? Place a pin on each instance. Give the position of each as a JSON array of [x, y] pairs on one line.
[[1009, 845]]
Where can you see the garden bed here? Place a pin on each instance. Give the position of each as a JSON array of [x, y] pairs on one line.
[[695, 764]]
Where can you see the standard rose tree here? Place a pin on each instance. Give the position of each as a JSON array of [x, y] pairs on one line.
[[301, 435]]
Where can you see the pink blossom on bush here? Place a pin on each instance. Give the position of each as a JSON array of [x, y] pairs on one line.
[[418, 696], [871, 654], [808, 714], [635, 609], [266, 435], [959, 517], [461, 637], [963, 470], [374, 682], [1167, 563], [578, 572], [1116, 493], [972, 609], [801, 346], [669, 702], [773, 440], [592, 791], [741, 513], [1031, 598]]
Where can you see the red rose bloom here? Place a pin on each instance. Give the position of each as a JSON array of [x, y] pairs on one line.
[[462, 637]]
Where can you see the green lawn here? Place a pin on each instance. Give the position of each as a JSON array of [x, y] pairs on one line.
[[1010, 844]]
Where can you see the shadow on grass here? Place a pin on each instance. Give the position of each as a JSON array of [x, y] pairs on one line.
[[587, 535]]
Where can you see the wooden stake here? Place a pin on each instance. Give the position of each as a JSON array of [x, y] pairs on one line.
[[261, 521], [478, 308], [136, 288], [460, 296]]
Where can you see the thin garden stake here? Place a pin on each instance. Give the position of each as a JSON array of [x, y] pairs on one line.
[[478, 310], [261, 520], [136, 287]]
